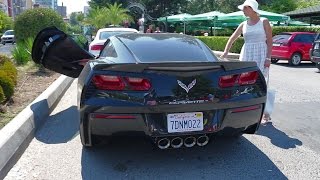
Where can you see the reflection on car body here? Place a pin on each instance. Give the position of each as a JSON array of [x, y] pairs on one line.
[[169, 87]]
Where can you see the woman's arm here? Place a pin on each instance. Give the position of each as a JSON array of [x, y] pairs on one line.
[[231, 40], [268, 30]]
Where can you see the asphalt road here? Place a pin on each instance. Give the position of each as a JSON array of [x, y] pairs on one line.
[[288, 148], [6, 49]]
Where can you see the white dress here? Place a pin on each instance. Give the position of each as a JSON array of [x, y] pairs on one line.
[[255, 46]]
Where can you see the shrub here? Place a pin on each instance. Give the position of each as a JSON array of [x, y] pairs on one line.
[[8, 67], [2, 97], [22, 52], [31, 21], [7, 85], [279, 29], [218, 43]]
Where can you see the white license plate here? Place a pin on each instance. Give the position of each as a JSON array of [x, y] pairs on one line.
[[185, 122], [276, 45]]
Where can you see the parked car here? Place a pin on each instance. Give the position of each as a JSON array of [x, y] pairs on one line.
[[103, 34], [8, 37], [292, 46], [315, 52], [168, 87]]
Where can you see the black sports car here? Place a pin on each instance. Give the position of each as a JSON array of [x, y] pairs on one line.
[[169, 87]]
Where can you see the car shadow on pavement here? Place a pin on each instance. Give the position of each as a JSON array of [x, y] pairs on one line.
[[302, 65], [277, 137], [55, 131], [136, 158]]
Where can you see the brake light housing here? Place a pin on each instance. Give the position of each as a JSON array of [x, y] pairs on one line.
[[246, 78], [96, 47], [120, 83]]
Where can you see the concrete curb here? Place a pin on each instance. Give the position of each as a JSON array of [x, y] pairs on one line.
[[16, 135]]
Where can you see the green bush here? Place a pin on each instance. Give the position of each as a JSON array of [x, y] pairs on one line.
[[30, 22], [7, 85], [279, 29], [218, 43], [22, 52], [2, 97], [8, 67]]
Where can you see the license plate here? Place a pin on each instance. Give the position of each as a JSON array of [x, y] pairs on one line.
[[276, 45], [185, 122]]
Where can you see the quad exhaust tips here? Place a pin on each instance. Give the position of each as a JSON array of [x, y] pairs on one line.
[[202, 140], [177, 142]]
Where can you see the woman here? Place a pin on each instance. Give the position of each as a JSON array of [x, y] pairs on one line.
[[257, 35]]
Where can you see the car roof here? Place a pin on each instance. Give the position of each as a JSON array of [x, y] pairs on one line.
[[117, 29]]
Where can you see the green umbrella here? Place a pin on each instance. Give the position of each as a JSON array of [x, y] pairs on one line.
[[239, 16], [175, 18], [205, 16]]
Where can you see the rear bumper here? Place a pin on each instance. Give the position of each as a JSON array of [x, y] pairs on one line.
[[154, 124], [315, 59]]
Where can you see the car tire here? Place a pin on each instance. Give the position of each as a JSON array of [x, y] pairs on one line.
[[295, 59], [318, 65], [274, 61], [3, 43]]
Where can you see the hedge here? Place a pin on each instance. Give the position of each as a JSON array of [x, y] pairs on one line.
[[8, 78], [218, 43]]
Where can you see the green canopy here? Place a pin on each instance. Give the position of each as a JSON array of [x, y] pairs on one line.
[[239, 16], [205, 16], [175, 18]]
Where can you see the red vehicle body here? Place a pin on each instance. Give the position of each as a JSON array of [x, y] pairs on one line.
[[292, 46]]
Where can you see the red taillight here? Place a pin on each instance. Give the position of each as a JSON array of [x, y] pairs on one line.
[[248, 78], [104, 82], [96, 47], [228, 80], [118, 83], [138, 84], [241, 79]]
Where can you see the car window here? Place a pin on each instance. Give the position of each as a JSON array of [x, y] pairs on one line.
[[9, 33], [304, 38], [106, 34], [281, 38], [109, 51]]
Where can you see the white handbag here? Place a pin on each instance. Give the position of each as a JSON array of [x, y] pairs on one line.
[[271, 95]]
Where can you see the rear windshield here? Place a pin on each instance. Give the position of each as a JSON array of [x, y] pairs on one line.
[[106, 34], [9, 33], [281, 38]]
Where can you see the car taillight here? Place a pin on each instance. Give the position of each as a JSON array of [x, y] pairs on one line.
[[104, 82], [228, 80], [96, 47], [138, 84], [245, 78], [248, 78], [118, 83]]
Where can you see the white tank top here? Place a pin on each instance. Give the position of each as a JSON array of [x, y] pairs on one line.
[[254, 33]]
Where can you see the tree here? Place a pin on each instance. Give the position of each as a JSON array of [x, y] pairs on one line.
[[32, 21], [280, 6], [73, 19], [104, 3], [307, 3], [5, 22]]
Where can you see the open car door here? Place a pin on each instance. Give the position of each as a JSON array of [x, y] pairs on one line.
[[58, 52]]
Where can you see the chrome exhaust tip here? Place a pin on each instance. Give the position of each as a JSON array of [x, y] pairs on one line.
[[190, 141], [176, 142], [202, 140], [163, 143]]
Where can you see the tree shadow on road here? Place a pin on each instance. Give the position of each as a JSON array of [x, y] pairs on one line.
[[277, 137], [60, 128], [136, 158]]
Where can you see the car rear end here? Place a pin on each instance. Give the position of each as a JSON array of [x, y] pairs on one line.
[[281, 47], [315, 53], [174, 104]]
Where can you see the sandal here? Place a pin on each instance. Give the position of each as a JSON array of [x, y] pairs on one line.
[[265, 120]]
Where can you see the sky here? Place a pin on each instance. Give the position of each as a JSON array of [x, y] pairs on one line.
[[73, 5]]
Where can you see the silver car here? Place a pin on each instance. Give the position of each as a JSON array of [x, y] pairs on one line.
[[8, 37]]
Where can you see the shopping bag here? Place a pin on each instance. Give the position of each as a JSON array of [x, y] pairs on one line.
[[271, 95]]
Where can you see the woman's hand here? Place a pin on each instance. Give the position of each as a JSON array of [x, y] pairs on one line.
[[267, 62], [224, 55]]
